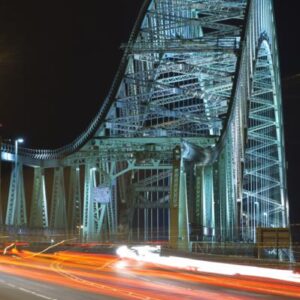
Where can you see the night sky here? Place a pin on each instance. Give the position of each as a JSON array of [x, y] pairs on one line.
[[58, 59]]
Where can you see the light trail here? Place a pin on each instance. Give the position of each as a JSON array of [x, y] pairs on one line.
[[132, 278], [52, 246], [145, 253], [8, 248]]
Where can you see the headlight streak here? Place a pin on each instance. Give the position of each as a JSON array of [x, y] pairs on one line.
[[52, 246], [140, 277], [8, 248], [81, 277], [206, 266]]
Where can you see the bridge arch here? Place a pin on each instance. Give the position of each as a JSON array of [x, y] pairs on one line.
[[264, 201], [181, 133]]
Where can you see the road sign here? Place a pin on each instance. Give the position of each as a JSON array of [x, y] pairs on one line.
[[272, 238], [101, 194]]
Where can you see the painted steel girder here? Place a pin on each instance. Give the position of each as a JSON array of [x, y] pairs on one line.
[[95, 213], [58, 217], [74, 203], [16, 206], [218, 12], [39, 210], [161, 75], [264, 175]]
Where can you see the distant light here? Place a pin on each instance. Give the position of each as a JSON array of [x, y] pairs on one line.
[[77, 169], [94, 169], [256, 203], [20, 140], [7, 156], [265, 214]]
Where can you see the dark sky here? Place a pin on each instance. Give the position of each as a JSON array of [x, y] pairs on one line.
[[58, 59]]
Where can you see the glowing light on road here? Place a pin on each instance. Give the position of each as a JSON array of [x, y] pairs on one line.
[[138, 252], [143, 276], [52, 246], [8, 248], [146, 254]]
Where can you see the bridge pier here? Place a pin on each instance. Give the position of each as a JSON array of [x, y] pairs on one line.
[[39, 210], [16, 206], [179, 230], [74, 201], [95, 209], [58, 217]]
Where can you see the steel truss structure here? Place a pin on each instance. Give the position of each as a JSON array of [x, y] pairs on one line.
[[188, 143]]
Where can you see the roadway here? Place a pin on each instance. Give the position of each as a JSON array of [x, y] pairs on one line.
[[68, 275]]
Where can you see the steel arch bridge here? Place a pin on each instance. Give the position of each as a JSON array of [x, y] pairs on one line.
[[187, 144]]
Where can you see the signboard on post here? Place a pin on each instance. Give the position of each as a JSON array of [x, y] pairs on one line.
[[101, 194], [276, 238]]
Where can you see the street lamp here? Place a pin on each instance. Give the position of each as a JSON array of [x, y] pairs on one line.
[[18, 141]]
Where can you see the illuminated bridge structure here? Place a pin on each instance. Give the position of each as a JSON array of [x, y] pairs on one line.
[[187, 145]]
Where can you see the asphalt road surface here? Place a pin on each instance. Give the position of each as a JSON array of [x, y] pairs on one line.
[[88, 276]]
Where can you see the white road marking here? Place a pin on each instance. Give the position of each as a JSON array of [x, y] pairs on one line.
[[26, 290], [36, 294]]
